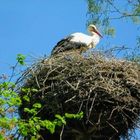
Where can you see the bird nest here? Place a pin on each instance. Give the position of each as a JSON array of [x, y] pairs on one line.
[[106, 90]]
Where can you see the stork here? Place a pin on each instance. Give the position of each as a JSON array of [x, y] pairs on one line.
[[78, 41]]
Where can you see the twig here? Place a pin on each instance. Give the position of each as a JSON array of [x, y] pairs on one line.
[[70, 99], [37, 81], [112, 112], [124, 16], [62, 132], [13, 70], [80, 107], [114, 7], [71, 85], [112, 126], [91, 107], [99, 119]]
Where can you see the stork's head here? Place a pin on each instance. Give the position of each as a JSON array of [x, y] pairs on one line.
[[93, 30]]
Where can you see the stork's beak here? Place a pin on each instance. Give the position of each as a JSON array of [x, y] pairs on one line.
[[96, 31]]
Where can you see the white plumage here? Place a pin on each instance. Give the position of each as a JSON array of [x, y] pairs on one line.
[[90, 41], [78, 41]]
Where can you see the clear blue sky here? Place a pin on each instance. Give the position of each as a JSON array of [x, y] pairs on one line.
[[33, 27]]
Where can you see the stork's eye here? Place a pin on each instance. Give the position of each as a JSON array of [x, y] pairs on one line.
[[92, 29]]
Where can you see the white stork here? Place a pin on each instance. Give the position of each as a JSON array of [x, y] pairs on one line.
[[78, 41]]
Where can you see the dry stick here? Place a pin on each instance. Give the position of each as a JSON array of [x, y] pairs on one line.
[[78, 84], [112, 112], [49, 72], [124, 118], [93, 100], [93, 129], [70, 99], [36, 79], [13, 72], [99, 119], [80, 106], [75, 131], [131, 120], [67, 82], [112, 126], [112, 137], [87, 108], [62, 132], [131, 110], [41, 137], [95, 126]]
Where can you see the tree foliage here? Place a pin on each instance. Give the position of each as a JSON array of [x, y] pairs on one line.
[[102, 12], [105, 12]]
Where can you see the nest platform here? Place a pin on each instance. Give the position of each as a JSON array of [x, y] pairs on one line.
[[106, 90]]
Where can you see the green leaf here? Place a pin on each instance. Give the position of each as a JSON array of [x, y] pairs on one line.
[[26, 90], [23, 128], [74, 116], [110, 31], [34, 90], [26, 98], [38, 127], [5, 85], [14, 101], [36, 119], [4, 123], [37, 105], [6, 93], [33, 138], [49, 125], [60, 118], [31, 111], [2, 101], [21, 58], [2, 137]]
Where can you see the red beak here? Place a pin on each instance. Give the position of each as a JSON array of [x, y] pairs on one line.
[[96, 31]]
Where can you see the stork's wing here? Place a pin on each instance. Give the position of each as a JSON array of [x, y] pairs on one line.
[[62, 45], [66, 45]]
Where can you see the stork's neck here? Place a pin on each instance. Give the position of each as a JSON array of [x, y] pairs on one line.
[[94, 34]]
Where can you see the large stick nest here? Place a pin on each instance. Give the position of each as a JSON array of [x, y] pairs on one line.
[[106, 90]]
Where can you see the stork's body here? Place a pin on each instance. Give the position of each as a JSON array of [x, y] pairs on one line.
[[78, 41]]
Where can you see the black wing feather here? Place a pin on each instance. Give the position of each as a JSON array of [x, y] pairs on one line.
[[61, 46], [66, 45]]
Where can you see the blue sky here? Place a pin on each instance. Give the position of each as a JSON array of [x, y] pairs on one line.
[[33, 27]]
